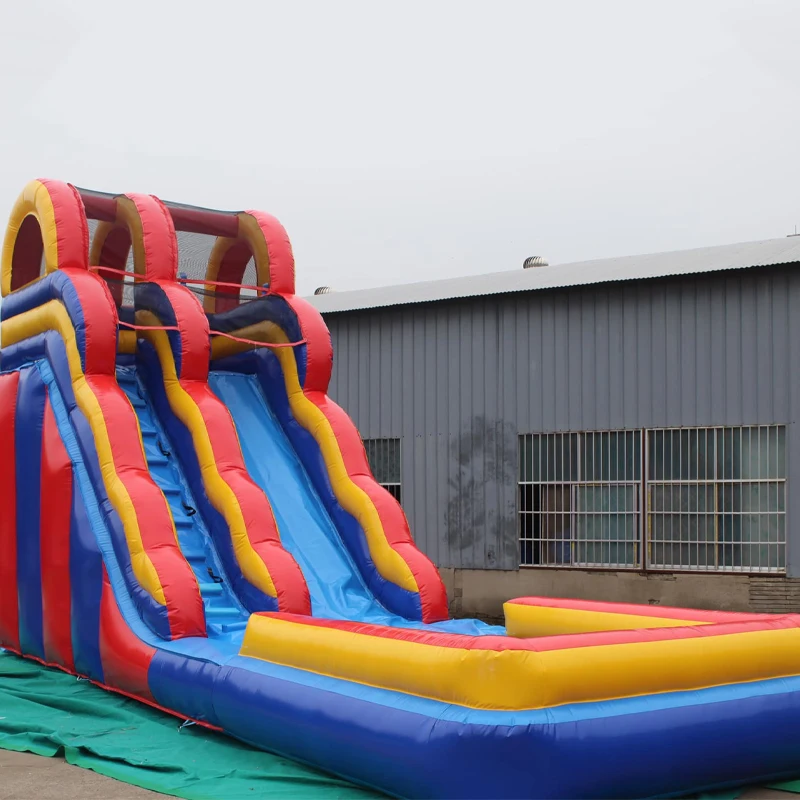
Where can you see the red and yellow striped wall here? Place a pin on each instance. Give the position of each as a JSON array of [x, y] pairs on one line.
[[172, 321], [56, 605], [391, 546], [71, 303]]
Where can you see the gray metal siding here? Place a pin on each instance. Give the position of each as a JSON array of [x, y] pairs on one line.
[[458, 381]]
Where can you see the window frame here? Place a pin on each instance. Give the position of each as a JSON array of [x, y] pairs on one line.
[[716, 484], [643, 513], [395, 488], [572, 485]]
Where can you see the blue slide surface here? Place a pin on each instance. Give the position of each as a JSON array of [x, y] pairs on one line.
[[337, 588], [224, 613]]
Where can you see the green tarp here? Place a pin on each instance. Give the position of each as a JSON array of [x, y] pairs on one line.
[[47, 712]]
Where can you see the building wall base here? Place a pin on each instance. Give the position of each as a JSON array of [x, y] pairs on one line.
[[481, 593]]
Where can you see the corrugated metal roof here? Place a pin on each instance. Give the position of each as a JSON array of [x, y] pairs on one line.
[[655, 265]]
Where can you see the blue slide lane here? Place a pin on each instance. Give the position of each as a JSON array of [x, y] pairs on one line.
[[337, 588], [224, 614]]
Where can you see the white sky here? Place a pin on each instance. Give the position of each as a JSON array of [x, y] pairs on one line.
[[403, 141]]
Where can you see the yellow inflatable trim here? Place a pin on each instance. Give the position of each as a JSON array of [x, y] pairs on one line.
[[126, 341], [53, 316], [101, 233], [34, 201], [222, 497], [526, 621], [525, 679], [389, 563], [249, 232]]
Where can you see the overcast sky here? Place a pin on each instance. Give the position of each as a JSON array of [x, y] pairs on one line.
[[404, 141]]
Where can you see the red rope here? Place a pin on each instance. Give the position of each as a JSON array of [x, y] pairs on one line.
[[131, 326], [122, 272], [150, 327], [134, 276], [257, 344], [175, 328], [223, 283]]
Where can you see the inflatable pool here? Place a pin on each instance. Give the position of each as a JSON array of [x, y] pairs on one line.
[[188, 519]]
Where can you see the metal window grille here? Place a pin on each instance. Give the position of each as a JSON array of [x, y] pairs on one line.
[[384, 461], [716, 499], [580, 499]]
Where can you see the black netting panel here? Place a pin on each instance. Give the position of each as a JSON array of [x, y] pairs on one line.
[[250, 279], [243, 296], [193, 252], [194, 248]]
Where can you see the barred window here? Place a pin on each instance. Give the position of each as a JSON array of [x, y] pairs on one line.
[[707, 499], [717, 499], [579, 498], [384, 461]]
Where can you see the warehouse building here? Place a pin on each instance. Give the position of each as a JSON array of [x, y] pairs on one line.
[[620, 429]]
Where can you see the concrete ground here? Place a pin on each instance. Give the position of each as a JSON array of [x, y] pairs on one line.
[[24, 776]]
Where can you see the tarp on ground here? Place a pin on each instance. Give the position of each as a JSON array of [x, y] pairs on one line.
[[48, 712]]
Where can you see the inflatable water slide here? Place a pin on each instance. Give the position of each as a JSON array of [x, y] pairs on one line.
[[188, 519]]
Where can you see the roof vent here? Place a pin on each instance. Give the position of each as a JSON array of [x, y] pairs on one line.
[[534, 261], [323, 290]]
